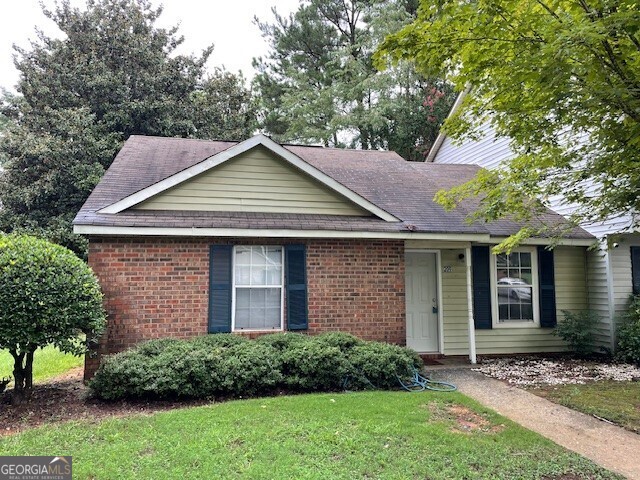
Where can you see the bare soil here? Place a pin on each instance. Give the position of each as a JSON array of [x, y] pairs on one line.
[[65, 398]]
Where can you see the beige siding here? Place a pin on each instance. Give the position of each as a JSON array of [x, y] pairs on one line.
[[599, 295], [622, 284], [255, 181], [455, 316], [571, 294]]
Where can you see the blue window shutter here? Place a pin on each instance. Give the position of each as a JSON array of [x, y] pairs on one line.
[[480, 267], [635, 269], [296, 287], [548, 318], [220, 271]]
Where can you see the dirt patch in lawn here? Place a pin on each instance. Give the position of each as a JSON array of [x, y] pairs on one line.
[[464, 419], [65, 398]]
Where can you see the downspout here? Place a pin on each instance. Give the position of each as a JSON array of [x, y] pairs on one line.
[[472, 327]]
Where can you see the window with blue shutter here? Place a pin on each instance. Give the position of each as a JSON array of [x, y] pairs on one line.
[[635, 269], [220, 288], [547, 295], [296, 287], [480, 256]]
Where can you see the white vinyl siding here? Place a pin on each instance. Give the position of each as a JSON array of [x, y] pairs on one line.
[[571, 294], [487, 152], [255, 181]]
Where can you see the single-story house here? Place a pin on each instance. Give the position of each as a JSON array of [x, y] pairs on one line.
[[613, 268], [191, 236]]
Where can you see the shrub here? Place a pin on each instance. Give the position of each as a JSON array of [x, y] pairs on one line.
[[578, 330], [283, 341], [189, 369], [223, 340], [341, 340], [313, 366], [380, 364], [47, 296], [250, 369], [628, 348], [122, 375], [232, 366]]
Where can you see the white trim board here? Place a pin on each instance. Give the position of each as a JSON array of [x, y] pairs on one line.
[[285, 233], [234, 151]]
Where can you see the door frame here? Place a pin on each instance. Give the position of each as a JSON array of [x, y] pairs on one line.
[[438, 255]]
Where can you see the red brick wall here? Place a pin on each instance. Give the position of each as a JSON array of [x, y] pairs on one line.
[[159, 287]]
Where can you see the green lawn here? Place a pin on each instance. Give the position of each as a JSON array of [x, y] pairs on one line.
[[358, 435], [47, 362], [618, 402]]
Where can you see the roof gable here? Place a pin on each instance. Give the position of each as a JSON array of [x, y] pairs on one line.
[[254, 181], [323, 183]]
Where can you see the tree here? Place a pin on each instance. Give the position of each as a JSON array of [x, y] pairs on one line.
[[114, 74], [223, 108], [560, 79], [318, 83], [48, 296]]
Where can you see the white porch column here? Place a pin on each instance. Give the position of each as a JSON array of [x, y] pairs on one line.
[[472, 328]]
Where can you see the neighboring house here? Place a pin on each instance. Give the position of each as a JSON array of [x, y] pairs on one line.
[[613, 268], [190, 236]]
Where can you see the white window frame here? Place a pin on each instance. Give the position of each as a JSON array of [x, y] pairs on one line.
[[233, 290], [535, 293]]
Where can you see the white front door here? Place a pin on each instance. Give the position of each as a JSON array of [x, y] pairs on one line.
[[421, 291]]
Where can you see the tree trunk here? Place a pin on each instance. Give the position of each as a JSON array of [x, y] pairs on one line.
[[22, 376]]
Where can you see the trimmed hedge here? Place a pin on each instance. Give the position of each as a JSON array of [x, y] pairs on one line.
[[231, 366]]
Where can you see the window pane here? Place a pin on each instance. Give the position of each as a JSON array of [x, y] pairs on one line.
[[274, 256], [258, 256], [264, 308], [274, 276], [243, 275], [258, 275], [243, 255], [525, 259]]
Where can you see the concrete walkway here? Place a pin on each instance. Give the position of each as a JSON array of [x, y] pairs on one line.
[[611, 447]]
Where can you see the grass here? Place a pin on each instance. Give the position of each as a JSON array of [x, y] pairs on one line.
[[618, 402], [47, 362], [339, 436]]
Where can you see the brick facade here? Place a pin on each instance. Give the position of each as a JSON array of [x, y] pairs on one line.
[[159, 287]]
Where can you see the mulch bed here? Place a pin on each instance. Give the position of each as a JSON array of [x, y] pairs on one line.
[[66, 398]]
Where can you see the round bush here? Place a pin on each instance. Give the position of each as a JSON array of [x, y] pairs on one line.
[[48, 296]]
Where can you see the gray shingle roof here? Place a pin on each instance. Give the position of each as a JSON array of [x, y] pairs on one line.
[[404, 189]]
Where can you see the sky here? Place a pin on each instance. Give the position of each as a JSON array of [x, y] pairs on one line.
[[227, 24]]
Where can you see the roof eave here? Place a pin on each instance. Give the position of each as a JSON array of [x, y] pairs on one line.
[[105, 230]]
